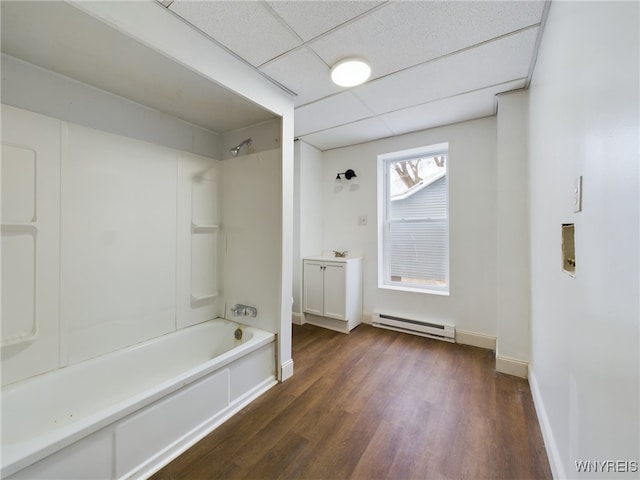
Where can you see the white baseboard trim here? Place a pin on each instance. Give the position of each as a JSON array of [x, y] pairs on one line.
[[297, 318], [555, 461], [475, 339], [511, 366], [286, 370], [367, 318]]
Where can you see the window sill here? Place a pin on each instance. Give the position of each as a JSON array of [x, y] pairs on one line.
[[430, 291]]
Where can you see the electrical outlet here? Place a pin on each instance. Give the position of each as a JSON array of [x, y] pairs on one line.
[[362, 221]]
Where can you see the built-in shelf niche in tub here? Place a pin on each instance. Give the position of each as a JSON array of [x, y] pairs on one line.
[[568, 249], [19, 236], [205, 228]]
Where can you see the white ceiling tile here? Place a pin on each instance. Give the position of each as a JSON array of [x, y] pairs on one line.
[[249, 29], [403, 34], [302, 72], [477, 104], [349, 134], [338, 109], [490, 64], [312, 18]]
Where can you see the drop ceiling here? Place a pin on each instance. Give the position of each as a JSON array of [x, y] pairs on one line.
[[433, 63]]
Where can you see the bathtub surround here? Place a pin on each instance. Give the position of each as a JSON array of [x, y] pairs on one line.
[[251, 188], [144, 25], [142, 245]]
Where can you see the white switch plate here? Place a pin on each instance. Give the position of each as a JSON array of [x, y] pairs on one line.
[[362, 220], [577, 194]]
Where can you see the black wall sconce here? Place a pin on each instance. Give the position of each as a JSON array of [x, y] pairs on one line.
[[349, 174]]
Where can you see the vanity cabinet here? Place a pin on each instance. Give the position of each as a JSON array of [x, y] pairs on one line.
[[332, 292]]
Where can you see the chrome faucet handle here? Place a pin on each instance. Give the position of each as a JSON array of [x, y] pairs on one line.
[[239, 310]]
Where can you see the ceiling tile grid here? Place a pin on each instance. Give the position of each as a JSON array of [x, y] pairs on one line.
[[310, 19], [249, 29], [467, 106], [490, 64], [346, 107], [360, 132], [304, 73], [431, 61]]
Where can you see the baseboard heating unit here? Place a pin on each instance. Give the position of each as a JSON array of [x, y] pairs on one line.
[[439, 331]]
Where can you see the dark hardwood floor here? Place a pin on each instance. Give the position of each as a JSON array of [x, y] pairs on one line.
[[378, 404]]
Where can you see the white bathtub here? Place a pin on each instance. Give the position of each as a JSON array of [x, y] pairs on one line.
[[127, 413]]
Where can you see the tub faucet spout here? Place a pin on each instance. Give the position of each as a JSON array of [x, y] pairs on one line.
[[239, 310]]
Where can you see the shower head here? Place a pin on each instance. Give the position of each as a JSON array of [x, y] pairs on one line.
[[235, 150]]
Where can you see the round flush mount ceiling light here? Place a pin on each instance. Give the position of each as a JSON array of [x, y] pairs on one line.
[[350, 72]]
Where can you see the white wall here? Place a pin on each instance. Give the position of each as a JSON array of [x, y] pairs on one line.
[[39, 90], [584, 109], [296, 296], [512, 349], [473, 222], [309, 213]]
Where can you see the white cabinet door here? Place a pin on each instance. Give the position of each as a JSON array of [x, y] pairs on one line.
[[313, 287], [335, 291]]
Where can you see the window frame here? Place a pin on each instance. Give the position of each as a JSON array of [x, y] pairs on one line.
[[384, 201]]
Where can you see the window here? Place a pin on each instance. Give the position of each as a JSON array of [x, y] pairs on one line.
[[413, 218]]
